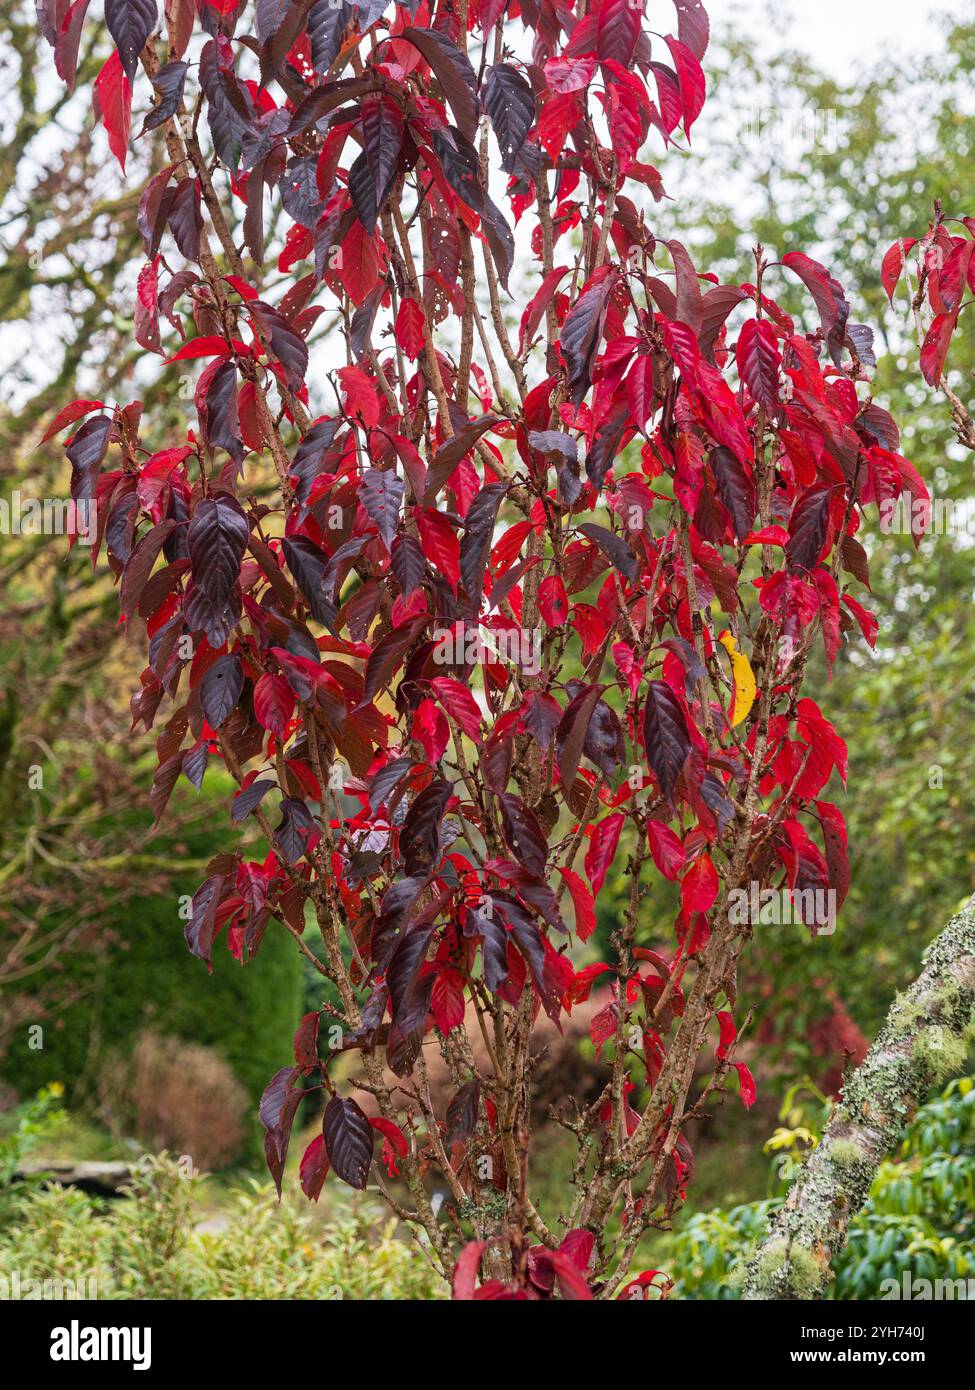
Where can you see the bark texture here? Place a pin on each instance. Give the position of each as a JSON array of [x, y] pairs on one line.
[[924, 1041]]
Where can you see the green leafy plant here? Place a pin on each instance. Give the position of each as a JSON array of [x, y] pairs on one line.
[[32, 1122], [160, 1241], [919, 1220]]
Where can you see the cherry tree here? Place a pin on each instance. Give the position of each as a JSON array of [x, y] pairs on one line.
[[490, 561]]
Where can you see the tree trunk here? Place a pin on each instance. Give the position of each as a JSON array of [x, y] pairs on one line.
[[924, 1041]]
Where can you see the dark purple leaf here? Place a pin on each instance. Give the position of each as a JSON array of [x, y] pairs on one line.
[[573, 731], [409, 565], [308, 565], [299, 192], [306, 1041], [286, 343], [139, 565], [524, 835], [605, 447], [249, 797], [582, 331], [185, 218], [462, 1113], [202, 925], [297, 832], [461, 168], [219, 419], [309, 457], [216, 540], [735, 489], [419, 839], [613, 547], [409, 992], [327, 22], [540, 717], [220, 689], [449, 455], [349, 1141], [194, 764], [665, 735], [475, 543], [85, 454], [130, 22], [279, 1104], [510, 105], [373, 174], [168, 82], [387, 655], [808, 526], [452, 69], [381, 494], [384, 782]]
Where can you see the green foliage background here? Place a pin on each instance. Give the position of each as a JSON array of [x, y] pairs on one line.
[[146, 978]]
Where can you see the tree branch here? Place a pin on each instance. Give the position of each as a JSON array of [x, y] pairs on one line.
[[924, 1041]]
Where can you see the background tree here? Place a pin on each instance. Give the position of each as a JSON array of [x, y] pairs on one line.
[[89, 896]]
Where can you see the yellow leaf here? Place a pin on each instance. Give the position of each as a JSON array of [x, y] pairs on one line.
[[743, 696]]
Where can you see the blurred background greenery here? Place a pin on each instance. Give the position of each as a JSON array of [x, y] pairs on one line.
[[91, 946]]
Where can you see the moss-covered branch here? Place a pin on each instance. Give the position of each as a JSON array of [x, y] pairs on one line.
[[923, 1043]]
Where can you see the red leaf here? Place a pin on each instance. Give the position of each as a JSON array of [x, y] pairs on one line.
[[431, 730], [209, 346], [690, 77], [935, 348], [314, 1168], [394, 1143], [583, 902], [837, 858], [572, 1283], [617, 31], [893, 264], [758, 361], [602, 850], [466, 1269], [358, 268], [825, 290], [460, 704], [147, 308], [537, 305], [666, 848], [441, 545], [274, 703], [67, 416], [699, 886], [728, 1033], [68, 40], [747, 1084], [409, 328], [113, 98], [553, 601], [447, 1000]]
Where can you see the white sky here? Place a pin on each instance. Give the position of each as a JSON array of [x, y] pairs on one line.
[[842, 34]]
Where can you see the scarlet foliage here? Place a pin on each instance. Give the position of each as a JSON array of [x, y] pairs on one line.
[[484, 586], [945, 278]]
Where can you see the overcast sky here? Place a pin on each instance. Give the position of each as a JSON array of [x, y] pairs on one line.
[[840, 34]]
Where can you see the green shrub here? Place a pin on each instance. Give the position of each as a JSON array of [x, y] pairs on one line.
[[919, 1219], [146, 979], [153, 1243]]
